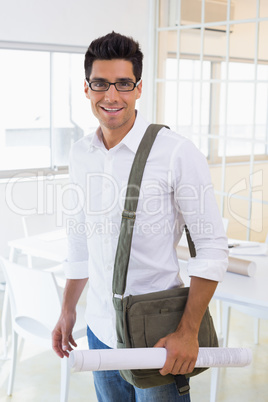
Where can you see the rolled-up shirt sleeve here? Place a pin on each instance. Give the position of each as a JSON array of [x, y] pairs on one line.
[[197, 207], [75, 270], [212, 269], [76, 265]]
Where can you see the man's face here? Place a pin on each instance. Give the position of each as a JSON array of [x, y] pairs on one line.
[[114, 110]]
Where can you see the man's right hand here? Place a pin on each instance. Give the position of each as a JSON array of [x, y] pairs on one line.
[[62, 338]]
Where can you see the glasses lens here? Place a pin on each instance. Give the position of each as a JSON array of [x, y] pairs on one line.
[[125, 86], [99, 85]]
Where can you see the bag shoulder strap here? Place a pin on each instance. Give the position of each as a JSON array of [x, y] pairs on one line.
[[129, 212]]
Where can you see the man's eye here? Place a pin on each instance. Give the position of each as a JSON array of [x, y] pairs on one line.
[[126, 84], [99, 84]]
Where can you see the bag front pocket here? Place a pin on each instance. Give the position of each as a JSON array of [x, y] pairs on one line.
[[158, 326], [150, 320]]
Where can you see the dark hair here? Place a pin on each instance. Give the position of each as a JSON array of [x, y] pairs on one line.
[[114, 46]]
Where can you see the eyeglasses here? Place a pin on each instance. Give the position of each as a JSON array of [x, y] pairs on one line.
[[121, 86]]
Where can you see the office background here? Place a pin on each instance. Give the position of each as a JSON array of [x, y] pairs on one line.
[[205, 75]]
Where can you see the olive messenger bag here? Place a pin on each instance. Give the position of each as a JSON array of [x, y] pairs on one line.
[[141, 320]]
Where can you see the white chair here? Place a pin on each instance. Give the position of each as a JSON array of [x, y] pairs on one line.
[[40, 223], [32, 225], [37, 224], [35, 308]]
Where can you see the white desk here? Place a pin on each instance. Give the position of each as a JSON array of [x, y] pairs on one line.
[[51, 246], [248, 291], [248, 295]]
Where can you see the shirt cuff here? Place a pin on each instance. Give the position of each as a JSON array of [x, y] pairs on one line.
[[76, 270], [213, 270]]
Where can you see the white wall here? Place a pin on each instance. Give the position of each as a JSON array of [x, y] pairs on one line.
[[75, 23], [71, 22]]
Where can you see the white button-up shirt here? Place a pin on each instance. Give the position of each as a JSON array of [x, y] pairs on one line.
[[176, 190]]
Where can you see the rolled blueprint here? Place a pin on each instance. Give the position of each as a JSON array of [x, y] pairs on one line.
[[236, 265], [242, 267], [153, 358]]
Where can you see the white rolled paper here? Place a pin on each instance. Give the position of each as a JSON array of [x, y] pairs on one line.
[[153, 358], [242, 267], [236, 265]]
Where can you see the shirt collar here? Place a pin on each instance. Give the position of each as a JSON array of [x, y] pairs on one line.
[[131, 140], [96, 140]]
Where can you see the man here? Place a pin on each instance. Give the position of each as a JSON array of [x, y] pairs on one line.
[[176, 189]]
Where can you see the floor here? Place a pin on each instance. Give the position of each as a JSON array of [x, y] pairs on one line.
[[38, 372]]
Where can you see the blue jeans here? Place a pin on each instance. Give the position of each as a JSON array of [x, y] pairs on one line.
[[111, 387]]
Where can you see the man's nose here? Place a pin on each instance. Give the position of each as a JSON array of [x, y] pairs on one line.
[[112, 94]]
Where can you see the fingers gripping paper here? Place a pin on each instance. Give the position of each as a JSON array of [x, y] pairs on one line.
[[153, 358]]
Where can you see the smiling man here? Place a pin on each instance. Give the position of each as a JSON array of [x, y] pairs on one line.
[[113, 90], [176, 190]]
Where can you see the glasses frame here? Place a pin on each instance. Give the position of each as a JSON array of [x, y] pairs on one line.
[[112, 83]]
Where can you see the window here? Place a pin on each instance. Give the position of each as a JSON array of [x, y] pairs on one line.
[[212, 87], [43, 109]]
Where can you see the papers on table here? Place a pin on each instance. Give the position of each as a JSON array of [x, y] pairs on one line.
[[237, 247]]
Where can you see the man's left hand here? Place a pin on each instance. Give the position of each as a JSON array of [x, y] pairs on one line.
[[182, 350]]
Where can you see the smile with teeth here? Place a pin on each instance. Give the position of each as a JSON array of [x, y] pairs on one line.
[[111, 110]]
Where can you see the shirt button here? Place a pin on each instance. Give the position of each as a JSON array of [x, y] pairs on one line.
[[109, 267]]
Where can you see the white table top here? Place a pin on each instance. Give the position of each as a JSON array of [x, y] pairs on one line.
[[51, 245]]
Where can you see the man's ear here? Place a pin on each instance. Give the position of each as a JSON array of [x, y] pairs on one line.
[[139, 90], [86, 89]]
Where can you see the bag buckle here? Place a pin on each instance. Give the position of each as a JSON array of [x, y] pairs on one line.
[[115, 295], [182, 384], [128, 214]]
